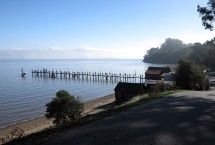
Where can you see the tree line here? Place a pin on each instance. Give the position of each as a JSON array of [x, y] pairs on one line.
[[173, 50]]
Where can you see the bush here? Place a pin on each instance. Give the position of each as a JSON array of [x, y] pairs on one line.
[[191, 77], [159, 88], [64, 108], [206, 84]]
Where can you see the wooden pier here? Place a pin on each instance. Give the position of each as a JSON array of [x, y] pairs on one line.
[[89, 76]]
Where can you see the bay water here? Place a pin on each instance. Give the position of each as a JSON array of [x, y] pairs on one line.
[[24, 98]]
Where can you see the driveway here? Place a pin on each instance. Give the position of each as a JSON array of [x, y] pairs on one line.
[[185, 118]]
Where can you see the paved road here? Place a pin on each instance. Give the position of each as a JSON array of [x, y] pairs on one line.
[[185, 118]]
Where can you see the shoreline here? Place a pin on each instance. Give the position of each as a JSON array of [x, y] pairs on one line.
[[39, 123]]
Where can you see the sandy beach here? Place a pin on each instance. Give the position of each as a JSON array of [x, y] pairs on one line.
[[41, 123]]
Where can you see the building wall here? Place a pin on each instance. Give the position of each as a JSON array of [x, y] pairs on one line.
[[153, 76], [125, 95]]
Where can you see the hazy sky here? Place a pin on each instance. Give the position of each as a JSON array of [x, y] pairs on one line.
[[70, 29]]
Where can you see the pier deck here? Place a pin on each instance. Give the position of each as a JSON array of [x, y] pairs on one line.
[[89, 75]]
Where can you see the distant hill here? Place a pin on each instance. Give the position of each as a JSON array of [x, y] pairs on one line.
[[170, 52]]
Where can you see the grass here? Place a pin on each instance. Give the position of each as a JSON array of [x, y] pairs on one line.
[[42, 136]]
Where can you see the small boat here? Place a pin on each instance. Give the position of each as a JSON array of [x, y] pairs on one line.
[[53, 75]]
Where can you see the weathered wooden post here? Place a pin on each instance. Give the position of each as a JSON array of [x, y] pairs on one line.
[[87, 76], [60, 74], [56, 74], [135, 75], [64, 74], [72, 75], [106, 76], [102, 76]]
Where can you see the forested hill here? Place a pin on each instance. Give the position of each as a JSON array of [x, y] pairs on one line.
[[204, 54], [170, 52]]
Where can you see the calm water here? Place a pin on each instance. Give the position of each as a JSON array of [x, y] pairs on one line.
[[25, 98]]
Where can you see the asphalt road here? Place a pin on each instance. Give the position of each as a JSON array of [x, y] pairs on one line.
[[185, 118]]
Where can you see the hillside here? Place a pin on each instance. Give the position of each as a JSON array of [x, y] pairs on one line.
[[170, 52]]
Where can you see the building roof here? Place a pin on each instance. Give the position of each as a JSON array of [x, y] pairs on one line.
[[163, 69], [153, 72]]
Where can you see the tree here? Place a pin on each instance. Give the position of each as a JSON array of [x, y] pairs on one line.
[[204, 54], [190, 76], [198, 54], [64, 108], [170, 52], [172, 44], [207, 14]]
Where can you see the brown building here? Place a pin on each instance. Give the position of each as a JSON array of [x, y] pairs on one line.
[[155, 73], [126, 91]]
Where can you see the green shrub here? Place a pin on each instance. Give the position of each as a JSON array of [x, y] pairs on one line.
[[64, 108], [159, 88], [206, 84], [190, 76]]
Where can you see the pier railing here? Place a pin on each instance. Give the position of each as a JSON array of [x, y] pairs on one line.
[[121, 77]]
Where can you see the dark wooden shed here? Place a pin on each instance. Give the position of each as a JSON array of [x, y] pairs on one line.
[[126, 91]]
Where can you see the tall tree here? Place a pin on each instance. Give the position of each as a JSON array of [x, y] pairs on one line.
[[190, 76], [207, 14], [172, 44], [204, 54]]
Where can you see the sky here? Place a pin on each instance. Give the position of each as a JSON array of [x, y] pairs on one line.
[[94, 29]]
